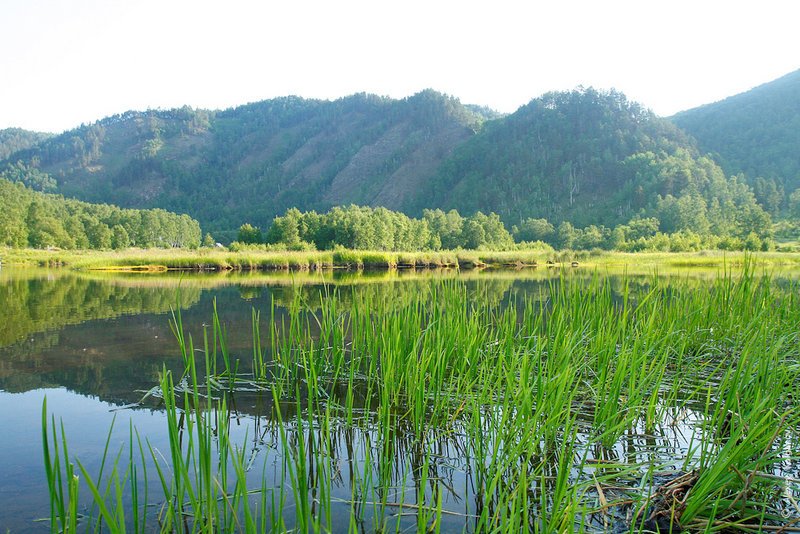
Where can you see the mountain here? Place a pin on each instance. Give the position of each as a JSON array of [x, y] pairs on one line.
[[15, 139], [756, 133], [253, 162], [563, 156], [585, 157]]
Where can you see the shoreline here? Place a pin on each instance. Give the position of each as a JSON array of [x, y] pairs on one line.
[[211, 260]]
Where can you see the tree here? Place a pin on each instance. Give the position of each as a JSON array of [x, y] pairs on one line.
[[592, 237], [100, 236], [119, 237], [566, 235], [249, 234], [794, 204], [769, 194], [617, 239], [752, 242], [474, 236], [689, 212], [534, 230], [753, 220], [641, 227]]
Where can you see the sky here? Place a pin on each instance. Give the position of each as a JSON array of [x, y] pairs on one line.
[[67, 62]]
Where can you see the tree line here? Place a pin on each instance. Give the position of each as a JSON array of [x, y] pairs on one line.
[[364, 228], [34, 219]]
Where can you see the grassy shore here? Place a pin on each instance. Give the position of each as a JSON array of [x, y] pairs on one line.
[[156, 260]]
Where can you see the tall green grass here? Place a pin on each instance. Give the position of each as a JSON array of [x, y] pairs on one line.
[[282, 260], [486, 418]]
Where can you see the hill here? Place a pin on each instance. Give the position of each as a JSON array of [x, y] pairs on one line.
[[15, 139], [561, 157], [585, 157], [589, 157], [756, 133], [253, 162]]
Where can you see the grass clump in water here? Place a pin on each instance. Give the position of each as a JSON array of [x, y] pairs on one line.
[[558, 411]]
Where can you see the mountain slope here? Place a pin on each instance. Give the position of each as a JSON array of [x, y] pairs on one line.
[[15, 139], [255, 161], [586, 157], [756, 132], [561, 157]]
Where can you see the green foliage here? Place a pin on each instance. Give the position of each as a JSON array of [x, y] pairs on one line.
[[566, 235], [16, 139], [794, 204], [119, 237], [364, 228], [29, 176], [561, 157], [534, 230], [34, 219], [249, 234], [756, 133], [748, 228]]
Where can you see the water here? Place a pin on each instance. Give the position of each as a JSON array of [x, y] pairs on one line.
[[93, 344]]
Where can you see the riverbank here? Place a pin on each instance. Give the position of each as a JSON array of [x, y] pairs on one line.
[[158, 260]]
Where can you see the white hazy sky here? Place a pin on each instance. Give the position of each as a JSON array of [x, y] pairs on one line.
[[65, 62]]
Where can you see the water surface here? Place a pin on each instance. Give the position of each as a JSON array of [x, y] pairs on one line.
[[94, 343]]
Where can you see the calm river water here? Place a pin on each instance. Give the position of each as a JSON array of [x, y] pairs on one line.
[[91, 344]]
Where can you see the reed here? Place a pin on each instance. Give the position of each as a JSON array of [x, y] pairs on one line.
[[518, 413], [159, 260]]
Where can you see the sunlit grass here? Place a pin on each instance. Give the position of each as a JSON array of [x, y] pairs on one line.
[[555, 412], [158, 260]]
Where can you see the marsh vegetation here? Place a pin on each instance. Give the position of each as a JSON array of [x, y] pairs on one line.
[[577, 408]]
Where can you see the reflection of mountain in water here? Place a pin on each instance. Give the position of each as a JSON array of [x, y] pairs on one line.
[[109, 335], [92, 336]]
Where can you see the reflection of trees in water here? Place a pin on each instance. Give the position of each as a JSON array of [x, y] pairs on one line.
[[37, 351], [249, 292], [398, 293], [33, 364], [36, 304], [113, 361], [24, 351]]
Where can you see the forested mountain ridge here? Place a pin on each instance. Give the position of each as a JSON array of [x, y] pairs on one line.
[[15, 139], [756, 133], [252, 162], [562, 157], [594, 159], [583, 157]]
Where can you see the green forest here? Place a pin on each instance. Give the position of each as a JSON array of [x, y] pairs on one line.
[[572, 169], [39, 220], [755, 133], [359, 227]]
